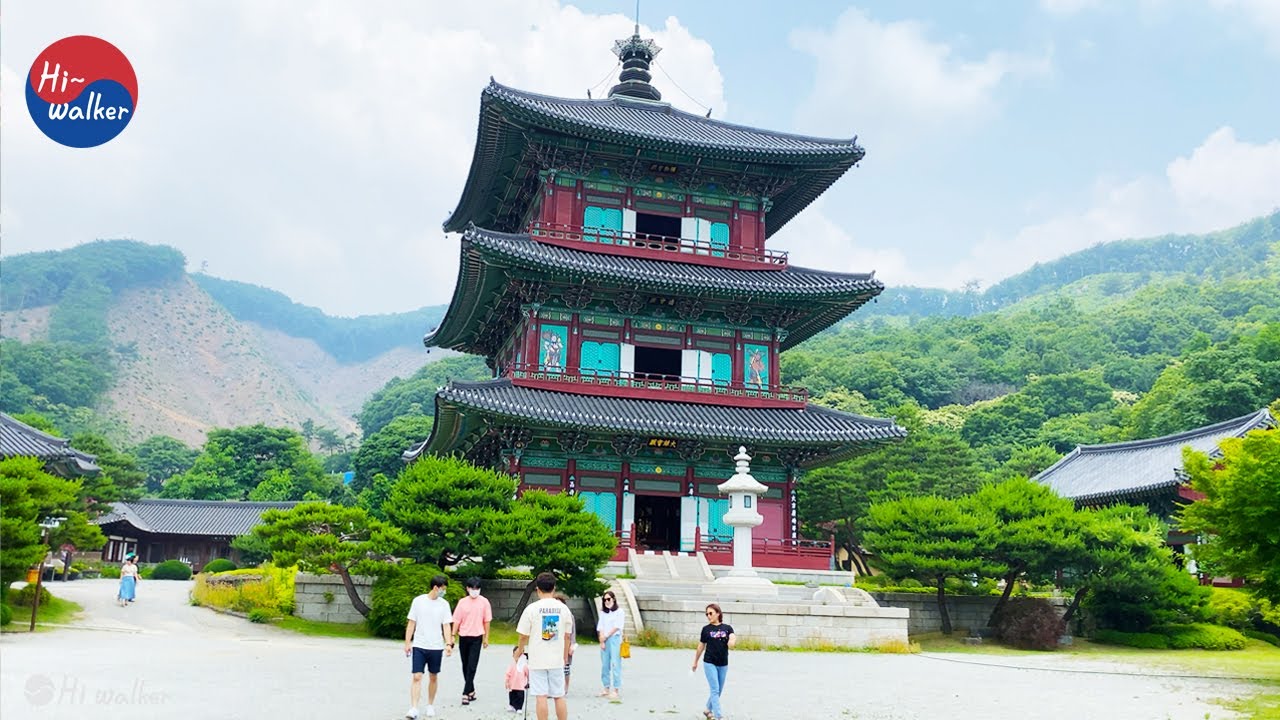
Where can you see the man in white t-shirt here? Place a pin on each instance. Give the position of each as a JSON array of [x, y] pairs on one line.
[[546, 628], [430, 623]]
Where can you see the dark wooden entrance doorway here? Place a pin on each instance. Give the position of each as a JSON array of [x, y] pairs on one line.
[[657, 521]]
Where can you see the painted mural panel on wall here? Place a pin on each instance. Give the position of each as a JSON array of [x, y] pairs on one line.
[[552, 342], [756, 362]]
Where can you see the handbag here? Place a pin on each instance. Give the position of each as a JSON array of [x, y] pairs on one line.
[[625, 649]]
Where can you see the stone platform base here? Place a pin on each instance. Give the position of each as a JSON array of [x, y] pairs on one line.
[[780, 624]]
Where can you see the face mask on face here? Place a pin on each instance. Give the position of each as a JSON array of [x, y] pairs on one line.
[[474, 592]]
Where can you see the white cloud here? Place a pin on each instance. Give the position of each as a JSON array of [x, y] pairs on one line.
[[1222, 182], [1262, 14], [813, 240], [314, 150], [892, 82]]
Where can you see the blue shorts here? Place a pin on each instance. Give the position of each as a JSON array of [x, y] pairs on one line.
[[430, 659]]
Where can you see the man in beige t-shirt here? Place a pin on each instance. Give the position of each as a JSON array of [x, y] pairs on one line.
[[546, 628]]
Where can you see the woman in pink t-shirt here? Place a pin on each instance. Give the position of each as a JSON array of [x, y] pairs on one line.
[[471, 618]]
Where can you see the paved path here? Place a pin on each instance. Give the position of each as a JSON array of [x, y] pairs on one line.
[[164, 658]]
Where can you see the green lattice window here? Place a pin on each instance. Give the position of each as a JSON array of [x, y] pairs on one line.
[[603, 505], [716, 527], [600, 358], [719, 238], [601, 224], [721, 368]]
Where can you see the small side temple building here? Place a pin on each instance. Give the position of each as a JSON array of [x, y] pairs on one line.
[[615, 274], [1147, 473]]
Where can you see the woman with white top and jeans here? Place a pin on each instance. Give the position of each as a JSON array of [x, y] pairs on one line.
[[609, 629]]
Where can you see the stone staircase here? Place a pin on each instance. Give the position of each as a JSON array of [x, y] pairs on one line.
[[666, 566]]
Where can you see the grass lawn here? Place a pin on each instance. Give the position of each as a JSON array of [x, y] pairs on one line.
[[1257, 660], [500, 633], [57, 611]]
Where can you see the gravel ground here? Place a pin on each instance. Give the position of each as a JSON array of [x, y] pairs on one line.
[[164, 658]]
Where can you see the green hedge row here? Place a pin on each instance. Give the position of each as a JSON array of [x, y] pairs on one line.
[[1177, 637]]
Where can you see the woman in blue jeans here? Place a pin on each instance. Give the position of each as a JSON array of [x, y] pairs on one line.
[[609, 629], [717, 638]]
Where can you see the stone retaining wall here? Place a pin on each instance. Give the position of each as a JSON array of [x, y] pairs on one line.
[[780, 624], [966, 611], [311, 603]]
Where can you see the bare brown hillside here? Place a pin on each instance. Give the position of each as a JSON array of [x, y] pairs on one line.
[[187, 365]]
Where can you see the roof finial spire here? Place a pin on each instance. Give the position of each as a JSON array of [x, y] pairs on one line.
[[635, 54]]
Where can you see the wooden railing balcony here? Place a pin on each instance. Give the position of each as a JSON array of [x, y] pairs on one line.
[[700, 387], [657, 247]]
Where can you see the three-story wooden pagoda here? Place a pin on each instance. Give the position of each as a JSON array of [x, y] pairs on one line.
[[615, 275]]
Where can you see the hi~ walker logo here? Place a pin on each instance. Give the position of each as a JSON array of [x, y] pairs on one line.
[[81, 91]]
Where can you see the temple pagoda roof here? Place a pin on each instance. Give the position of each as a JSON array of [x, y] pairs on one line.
[[1094, 473], [837, 434], [18, 439], [507, 115], [488, 257]]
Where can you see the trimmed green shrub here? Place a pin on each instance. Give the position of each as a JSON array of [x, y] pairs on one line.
[[258, 615], [6, 615], [1231, 607], [393, 593], [111, 571], [1149, 641], [1030, 623], [1202, 636], [25, 596], [171, 570], [145, 571], [1263, 636], [218, 565]]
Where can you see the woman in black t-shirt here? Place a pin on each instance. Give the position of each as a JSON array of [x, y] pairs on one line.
[[717, 638]]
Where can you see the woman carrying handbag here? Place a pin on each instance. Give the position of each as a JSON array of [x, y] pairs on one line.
[[609, 629]]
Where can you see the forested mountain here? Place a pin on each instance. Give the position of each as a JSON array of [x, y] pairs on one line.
[[113, 336], [1237, 252], [346, 339]]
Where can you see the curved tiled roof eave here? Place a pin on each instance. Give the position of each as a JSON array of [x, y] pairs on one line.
[[670, 126], [782, 426]]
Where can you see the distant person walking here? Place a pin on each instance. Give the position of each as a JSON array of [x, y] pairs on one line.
[[609, 629], [128, 580], [546, 628], [429, 628], [717, 637], [471, 620]]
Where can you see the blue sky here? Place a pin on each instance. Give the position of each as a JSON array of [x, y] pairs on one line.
[[317, 151]]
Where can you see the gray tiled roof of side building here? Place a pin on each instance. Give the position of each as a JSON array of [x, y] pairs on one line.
[[191, 517], [812, 424], [663, 123], [1098, 471], [796, 281], [18, 439]]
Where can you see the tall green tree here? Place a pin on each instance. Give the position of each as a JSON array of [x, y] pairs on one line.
[[550, 533], [834, 499], [1034, 533], [161, 457], [443, 503], [930, 539], [381, 452], [28, 495], [318, 537], [120, 477], [416, 395], [1125, 575], [1238, 519], [235, 461]]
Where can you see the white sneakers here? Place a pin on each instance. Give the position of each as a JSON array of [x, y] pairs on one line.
[[411, 713], [431, 711]]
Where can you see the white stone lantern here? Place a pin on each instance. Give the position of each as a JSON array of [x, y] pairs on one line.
[[744, 494]]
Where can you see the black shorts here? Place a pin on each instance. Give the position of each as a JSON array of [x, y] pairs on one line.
[[430, 659]]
